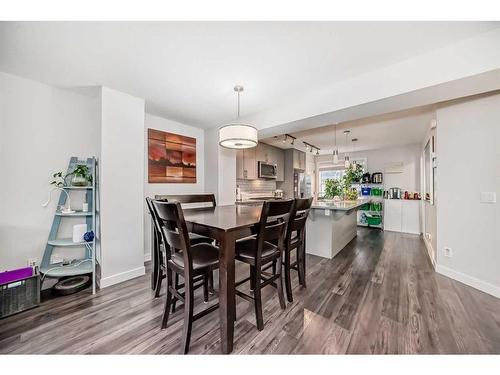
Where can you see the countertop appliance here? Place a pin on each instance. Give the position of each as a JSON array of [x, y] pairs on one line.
[[267, 170], [366, 179], [377, 178], [278, 194], [394, 193]]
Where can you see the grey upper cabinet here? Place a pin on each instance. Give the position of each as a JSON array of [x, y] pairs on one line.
[[246, 161], [299, 160], [279, 160], [246, 164]]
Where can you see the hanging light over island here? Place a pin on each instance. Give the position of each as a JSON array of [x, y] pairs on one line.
[[238, 135]]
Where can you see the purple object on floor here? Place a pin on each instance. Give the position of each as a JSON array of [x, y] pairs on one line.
[[19, 274]]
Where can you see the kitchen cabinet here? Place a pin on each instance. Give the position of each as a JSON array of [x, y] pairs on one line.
[[246, 164], [402, 215], [247, 161], [280, 163], [299, 160], [410, 216], [392, 215]]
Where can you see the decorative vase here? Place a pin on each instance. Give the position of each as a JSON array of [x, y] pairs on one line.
[[79, 181]]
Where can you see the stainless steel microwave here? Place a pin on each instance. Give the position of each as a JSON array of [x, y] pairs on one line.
[[267, 170]]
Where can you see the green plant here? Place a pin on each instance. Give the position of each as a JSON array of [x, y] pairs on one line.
[[58, 179], [333, 188], [81, 170], [353, 173], [350, 194]]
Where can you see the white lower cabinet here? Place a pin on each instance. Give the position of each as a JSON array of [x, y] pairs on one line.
[[402, 215], [392, 215]]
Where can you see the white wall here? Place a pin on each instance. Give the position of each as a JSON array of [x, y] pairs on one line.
[[220, 164], [377, 160], [41, 128], [150, 190], [429, 211], [468, 163], [121, 186]]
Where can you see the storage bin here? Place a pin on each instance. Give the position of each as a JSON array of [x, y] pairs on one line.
[[365, 207], [18, 291], [376, 206], [374, 219], [366, 191], [376, 192]]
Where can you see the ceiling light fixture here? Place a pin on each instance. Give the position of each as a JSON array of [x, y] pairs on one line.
[[237, 135], [354, 140], [347, 163], [335, 149]]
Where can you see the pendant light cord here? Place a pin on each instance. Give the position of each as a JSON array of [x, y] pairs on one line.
[[238, 104]]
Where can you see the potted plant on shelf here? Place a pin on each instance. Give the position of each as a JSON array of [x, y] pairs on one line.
[[352, 175], [81, 177]]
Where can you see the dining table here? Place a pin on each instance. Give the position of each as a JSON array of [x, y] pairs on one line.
[[225, 224]]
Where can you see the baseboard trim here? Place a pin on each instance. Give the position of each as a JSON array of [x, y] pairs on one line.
[[481, 285], [147, 257], [121, 277]]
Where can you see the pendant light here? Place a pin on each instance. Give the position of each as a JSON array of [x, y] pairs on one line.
[[347, 163], [237, 135], [354, 140], [335, 149]]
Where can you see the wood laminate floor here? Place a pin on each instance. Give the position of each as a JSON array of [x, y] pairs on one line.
[[379, 295]]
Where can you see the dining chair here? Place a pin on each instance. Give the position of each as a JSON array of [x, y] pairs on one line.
[[259, 250], [295, 240], [158, 255], [190, 261]]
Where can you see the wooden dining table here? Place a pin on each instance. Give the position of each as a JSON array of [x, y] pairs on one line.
[[226, 224]]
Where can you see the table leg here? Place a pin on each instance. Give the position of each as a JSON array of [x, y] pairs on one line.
[[227, 299]]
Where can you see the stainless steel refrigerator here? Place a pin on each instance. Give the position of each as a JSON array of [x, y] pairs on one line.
[[301, 184]]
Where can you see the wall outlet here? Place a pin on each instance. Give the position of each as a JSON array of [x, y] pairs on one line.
[[32, 262], [448, 252]]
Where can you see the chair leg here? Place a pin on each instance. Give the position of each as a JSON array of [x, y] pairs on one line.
[[252, 278], [301, 263], [188, 313], [168, 300], [176, 287], [279, 283], [159, 278], [288, 283], [258, 300], [211, 282], [206, 278]]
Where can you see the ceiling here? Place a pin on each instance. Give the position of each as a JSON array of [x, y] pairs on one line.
[[389, 130], [186, 70]]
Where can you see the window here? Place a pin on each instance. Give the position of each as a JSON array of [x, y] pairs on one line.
[[326, 174]]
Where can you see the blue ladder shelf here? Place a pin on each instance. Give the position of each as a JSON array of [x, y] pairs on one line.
[[86, 265]]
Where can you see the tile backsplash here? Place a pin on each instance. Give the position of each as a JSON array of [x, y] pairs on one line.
[[256, 186]]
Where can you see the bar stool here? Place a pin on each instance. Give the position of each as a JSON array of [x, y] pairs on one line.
[[189, 262]]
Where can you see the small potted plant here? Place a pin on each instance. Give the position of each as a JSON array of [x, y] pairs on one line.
[[81, 176], [333, 189]]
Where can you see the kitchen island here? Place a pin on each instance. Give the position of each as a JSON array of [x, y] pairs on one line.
[[331, 226]]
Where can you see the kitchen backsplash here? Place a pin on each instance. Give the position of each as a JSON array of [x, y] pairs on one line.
[[256, 186]]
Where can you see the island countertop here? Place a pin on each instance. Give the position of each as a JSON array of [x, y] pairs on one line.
[[339, 205]]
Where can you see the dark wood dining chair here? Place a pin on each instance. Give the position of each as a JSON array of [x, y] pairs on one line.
[[190, 261], [158, 254], [295, 240], [259, 250]]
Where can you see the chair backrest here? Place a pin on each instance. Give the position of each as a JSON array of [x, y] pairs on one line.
[[273, 222], [157, 229], [173, 228], [188, 198], [298, 218]]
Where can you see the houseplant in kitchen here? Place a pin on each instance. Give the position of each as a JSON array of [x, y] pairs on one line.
[[333, 188], [352, 174]]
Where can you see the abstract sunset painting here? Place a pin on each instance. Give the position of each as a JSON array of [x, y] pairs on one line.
[[171, 158]]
